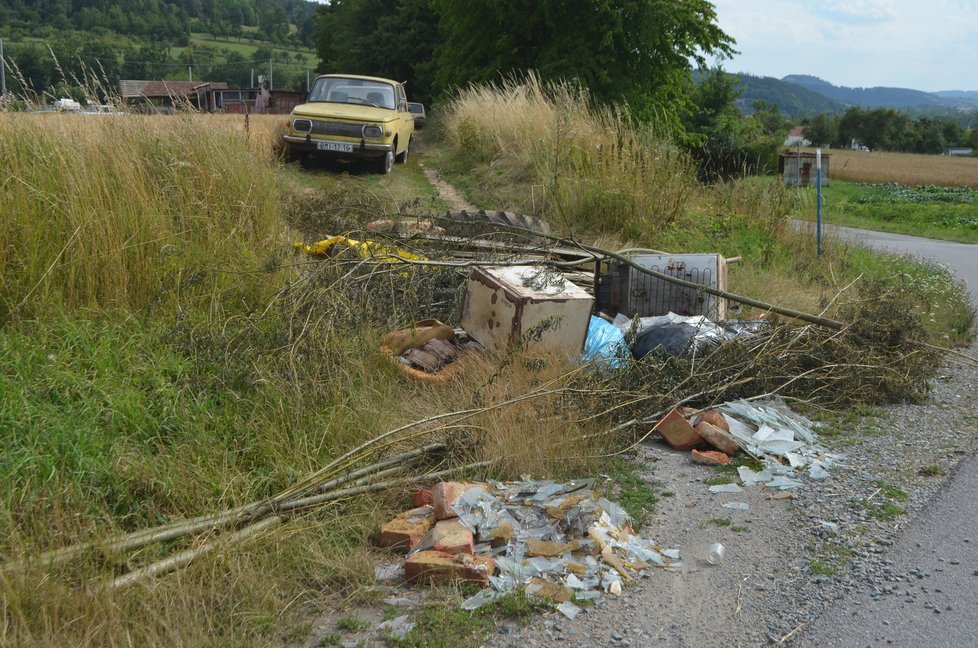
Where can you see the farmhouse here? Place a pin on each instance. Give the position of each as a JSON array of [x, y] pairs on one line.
[[796, 136], [207, 96]]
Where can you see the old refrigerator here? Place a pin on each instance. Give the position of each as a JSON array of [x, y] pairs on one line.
[[502, 305]]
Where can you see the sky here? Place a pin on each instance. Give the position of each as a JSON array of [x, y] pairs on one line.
[[928, 45]]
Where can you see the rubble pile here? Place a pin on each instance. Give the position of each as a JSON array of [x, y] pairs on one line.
[[559, 540], [768, 430]]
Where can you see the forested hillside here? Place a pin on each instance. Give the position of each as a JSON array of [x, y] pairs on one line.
[[170, 20]]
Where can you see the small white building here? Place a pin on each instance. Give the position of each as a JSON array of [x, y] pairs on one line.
[[796, 136], [960, 152]]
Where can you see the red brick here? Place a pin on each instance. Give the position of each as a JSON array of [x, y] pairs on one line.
[[443, 496], [713, 417], [718, 438], [406, 530], [709, 457], [444, 568], [452, 537], [677, 432], [421, 497]]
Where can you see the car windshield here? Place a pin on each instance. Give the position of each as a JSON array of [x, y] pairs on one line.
[[415, 108], [361, 92]]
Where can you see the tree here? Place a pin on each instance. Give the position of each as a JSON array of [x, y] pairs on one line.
[[823, 130], [633, 51]]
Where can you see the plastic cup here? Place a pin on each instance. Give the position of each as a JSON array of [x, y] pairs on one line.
[[714, 555]]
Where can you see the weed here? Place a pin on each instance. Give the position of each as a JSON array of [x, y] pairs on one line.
[[718, 522], [330, 639], [739, 529], [892, 491], [821, 568], [883, 511], [636, 495], [931, 470], [352, 623], [718, 480], [667, 494]]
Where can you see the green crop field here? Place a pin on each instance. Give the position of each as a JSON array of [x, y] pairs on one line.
[[949, 213]]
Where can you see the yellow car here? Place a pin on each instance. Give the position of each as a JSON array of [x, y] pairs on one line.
[[352, 117]]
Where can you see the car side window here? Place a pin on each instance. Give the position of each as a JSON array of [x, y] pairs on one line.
[[401, 98]]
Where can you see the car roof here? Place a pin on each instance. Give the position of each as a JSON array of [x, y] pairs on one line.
[[359, 76]]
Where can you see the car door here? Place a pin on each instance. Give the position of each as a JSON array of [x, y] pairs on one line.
[[405, 126]]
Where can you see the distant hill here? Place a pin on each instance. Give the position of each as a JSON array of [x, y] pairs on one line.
[[882, 97], [790, 98]]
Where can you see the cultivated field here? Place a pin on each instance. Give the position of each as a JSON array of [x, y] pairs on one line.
[[904, 168]]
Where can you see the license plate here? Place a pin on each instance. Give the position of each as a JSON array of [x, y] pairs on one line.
[[341, 147]]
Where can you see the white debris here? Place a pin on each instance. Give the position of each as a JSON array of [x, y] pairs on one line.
[[737, 506], [726, 488]]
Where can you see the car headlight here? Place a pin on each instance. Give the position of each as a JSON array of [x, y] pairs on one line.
[[372, 131], [302, 125]]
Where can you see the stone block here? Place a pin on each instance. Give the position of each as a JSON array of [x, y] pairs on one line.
[[713, 417], [443, 496], [406, 530], [709, 458], [718, 438], [421, 497], [677, 432], [452, 537], [443, 568]]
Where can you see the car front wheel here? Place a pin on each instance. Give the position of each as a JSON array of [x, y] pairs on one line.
[[386, 163]]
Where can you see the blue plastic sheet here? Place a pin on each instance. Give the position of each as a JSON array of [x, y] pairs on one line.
[[605, 342]]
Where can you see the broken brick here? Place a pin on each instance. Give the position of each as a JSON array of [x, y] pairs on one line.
[[718, 438], [677, 432], [443, 568], [452, 537], [406, 530], [421, 497], [709, 457], [712, 417], [443, 497]]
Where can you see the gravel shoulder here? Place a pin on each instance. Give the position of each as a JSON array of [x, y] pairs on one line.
[[783, 567]]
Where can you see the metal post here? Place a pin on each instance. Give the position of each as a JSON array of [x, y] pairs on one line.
[[190, 72], [818, 190], [252, 78], [3, 76], [270, 75], [307, 79]]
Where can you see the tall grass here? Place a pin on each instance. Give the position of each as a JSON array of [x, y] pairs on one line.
[[593, 169], [115, 211]]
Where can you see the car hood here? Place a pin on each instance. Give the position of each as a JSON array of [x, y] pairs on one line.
[[327, 110]]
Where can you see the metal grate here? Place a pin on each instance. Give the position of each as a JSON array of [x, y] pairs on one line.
[[650, 295], [339, 129]]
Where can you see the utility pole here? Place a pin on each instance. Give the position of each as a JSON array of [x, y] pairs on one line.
[[307, 80], [252, 78], [190, 71], [3, 76]]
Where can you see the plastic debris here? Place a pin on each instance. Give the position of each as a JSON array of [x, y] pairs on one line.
[[737, 506], [830, 526], [605, 342], [726, 488], [398, 627], [715, 553]]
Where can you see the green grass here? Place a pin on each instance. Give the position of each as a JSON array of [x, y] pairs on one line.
[[719, 480], [934, 212], [352, 623], [330, 639], [931, 470], [892, 491], [444, 625], [718, 522], [821, 568], [636, 495]]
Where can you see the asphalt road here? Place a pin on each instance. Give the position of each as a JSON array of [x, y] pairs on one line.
[[938, 550]]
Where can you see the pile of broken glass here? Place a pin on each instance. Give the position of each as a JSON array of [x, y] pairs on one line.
[[784, 440]]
